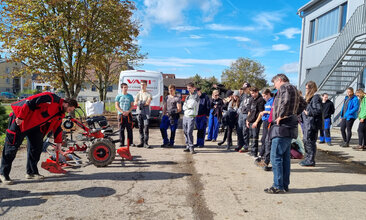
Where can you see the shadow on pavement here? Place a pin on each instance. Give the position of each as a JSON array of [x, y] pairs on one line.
[[115, 176], [339, 188], [90, 192], [139, 163]]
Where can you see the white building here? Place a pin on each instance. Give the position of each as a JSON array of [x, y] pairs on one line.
[[333, 47]]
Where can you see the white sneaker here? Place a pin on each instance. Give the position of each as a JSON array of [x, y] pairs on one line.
[[6, 181], [34, 176]]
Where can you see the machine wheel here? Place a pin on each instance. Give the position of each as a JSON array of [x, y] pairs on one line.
[[101, 153]]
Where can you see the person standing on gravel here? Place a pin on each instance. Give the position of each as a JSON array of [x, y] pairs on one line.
[[172, 107], [142, 100], [287, 104], [124, 105], [328, 111], [33, 118], [242, 129], [348, 116], [190, 108], [201, 118]]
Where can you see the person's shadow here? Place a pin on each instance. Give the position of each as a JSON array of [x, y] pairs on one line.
[[338, 188]]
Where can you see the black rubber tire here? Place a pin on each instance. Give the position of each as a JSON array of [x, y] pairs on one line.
[[101, 153]]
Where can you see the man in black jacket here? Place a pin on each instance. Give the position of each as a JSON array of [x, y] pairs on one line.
[[256, 105], [242, 130], [202, 117], [328, 111]]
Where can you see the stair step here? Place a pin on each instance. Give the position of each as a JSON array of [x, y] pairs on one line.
[[359, 49], [347, 71], [361, 61], [349, 66]]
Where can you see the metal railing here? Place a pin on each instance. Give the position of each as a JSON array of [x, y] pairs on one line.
[[354, 28]]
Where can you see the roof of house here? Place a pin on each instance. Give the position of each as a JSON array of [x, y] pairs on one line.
[[178, 82], [308, 5]]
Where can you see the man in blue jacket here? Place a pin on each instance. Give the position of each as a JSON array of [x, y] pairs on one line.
[[202, 117], [348, 116]]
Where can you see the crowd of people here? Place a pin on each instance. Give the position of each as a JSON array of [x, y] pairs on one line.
[[278, 112]]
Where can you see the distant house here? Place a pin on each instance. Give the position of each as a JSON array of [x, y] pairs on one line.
[[8, 83], [180, 85]]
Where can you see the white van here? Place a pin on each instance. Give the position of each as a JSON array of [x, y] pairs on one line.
[[154, 85]]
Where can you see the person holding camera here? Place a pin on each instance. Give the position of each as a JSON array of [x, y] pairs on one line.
[[172, 107], [143, 100]]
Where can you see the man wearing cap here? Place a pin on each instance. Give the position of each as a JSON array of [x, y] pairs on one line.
[[242, 129]]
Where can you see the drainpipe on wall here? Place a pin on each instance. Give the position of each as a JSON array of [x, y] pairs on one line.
[[301, 48]]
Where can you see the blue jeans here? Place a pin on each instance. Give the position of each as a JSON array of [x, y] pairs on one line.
[[242, 131], [201, 124], [325, 132], [281, 164], [164, 125], [213, 127]]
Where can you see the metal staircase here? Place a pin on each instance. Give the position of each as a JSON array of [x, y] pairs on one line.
[[345, 60]]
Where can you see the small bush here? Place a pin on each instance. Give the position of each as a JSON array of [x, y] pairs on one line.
[[3, 119]]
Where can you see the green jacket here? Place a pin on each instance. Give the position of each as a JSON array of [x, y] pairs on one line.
[[362, 114]]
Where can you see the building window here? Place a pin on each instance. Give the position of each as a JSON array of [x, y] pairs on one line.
[[8, 80], [7, 70], [110, 89], [312, 31], [328, 24], [344, 15], [93, 88]]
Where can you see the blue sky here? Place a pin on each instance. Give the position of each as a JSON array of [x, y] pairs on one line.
[[189, 37]]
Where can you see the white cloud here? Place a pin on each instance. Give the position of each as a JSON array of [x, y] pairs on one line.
[[185, 28], [290, 32], [209, 9], [266, 20], [290, 67], [179, 62], [237, 38], [263, 21], [220, 27], [195, 36], [187, 50], [165, 12], [280, 47], [242, 39], [259, 52], [172, 12]]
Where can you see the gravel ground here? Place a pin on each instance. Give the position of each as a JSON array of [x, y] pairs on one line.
[[170, 184]]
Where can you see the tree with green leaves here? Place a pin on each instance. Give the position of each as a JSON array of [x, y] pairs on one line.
[[205, 84], [58, 40], [244, 70], [105, 69]]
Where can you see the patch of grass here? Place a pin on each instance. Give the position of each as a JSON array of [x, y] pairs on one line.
[[2, 141], [7, 108]]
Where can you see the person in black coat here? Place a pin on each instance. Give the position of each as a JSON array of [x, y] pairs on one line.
[[312, 122], [328, 111], [256, 106], [202, 117]]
